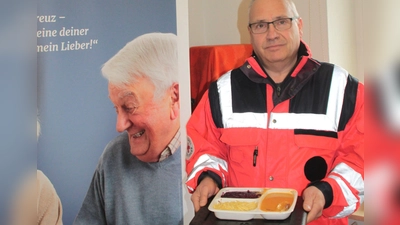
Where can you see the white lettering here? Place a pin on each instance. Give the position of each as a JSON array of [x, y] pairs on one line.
[[73, 32], [47, 19], [68, 46], [47, 48]]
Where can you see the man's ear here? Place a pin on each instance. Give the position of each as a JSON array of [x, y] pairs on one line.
[[175, 105], [300, 25]]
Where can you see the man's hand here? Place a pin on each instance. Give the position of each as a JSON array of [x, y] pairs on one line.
[[204, 190], [314, 202]]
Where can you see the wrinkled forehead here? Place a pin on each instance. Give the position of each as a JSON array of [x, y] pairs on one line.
[[120, 92], [125, 94], [141, 90]]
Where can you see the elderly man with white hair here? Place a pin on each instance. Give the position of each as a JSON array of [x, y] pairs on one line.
[[138, 178]]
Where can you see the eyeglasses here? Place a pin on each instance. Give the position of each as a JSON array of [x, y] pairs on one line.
[[279, 24]]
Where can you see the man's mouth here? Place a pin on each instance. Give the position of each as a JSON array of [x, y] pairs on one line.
[[138, 134], [273, 46]]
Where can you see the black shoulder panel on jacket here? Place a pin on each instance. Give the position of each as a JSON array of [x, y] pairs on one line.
[[247, 96], [349, 102], [213, 97], [314, 96]]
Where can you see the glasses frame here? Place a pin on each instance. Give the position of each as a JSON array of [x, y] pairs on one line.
[[273, 23]]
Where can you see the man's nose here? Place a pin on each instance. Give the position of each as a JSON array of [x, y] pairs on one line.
[[123, 122], [272, 33]]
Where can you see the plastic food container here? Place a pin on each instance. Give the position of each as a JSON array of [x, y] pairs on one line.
[[253, 203]]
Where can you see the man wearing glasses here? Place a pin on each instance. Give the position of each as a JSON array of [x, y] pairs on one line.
[[282, 120]]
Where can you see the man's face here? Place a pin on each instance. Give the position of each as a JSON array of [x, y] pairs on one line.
[[274, 46], [150, 123]]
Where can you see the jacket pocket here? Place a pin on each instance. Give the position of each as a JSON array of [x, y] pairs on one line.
[[241, 142]]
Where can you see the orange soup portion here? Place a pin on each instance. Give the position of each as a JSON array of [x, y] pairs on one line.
[[277, 202]]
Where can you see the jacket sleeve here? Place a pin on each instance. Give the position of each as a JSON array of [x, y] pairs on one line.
[[347, 177], [205, 151]]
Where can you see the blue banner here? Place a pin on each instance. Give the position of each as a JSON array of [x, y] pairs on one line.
[[74, 39]]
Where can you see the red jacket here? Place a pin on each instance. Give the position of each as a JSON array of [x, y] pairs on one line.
[[309, 129]]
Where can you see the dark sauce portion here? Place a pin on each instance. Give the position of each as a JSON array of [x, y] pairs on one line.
[[241, 194]]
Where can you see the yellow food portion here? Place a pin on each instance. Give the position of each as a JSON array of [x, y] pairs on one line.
[[236, 206]]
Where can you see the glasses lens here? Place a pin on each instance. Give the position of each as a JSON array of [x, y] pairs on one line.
[[282, 24], [258, 28]]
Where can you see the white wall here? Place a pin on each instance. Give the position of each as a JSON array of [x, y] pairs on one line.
[[381, 33], [342, 32], [218, 22], [315, 31]]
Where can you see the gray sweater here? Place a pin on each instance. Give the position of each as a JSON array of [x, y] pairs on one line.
[[125, 190]]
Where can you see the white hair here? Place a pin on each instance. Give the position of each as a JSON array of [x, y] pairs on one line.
[[152, 55]]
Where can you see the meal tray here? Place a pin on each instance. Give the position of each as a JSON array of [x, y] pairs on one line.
[[257, 212]]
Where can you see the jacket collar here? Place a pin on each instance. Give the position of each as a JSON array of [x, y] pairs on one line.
[[303, 54]]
